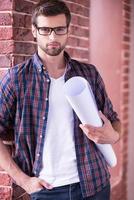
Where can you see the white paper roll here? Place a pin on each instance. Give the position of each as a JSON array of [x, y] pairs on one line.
[[80, 96]]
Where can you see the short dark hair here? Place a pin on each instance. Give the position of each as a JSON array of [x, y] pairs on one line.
[[50, 8]]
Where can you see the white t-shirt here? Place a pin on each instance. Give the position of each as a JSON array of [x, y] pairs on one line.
[[59, 157]]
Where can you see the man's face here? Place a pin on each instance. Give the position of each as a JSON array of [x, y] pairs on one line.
[[51, 44]]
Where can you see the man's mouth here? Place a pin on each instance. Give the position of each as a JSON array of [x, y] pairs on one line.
[[53, 44]]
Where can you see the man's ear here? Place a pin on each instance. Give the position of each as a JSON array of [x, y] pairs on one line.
[[34, 31]]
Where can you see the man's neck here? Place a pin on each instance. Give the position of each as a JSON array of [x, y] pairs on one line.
[[55, 65]]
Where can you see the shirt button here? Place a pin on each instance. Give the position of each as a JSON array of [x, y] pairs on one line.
[[40, 136], [38, 154], [46, 99], [43, 118], [48, 80]]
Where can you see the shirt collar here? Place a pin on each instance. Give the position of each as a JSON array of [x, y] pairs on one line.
[[39, 64]]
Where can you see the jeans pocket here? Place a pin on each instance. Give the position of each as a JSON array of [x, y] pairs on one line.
[[36, 192]]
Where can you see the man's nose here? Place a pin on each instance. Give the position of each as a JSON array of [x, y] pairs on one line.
[[52, 35]]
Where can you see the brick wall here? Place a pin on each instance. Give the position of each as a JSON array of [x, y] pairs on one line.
[[6, 49], [78, 44]]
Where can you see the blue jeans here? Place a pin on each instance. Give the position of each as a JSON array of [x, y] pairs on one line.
[[69, 192]]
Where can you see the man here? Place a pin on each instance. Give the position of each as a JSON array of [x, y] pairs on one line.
[[55, 156]]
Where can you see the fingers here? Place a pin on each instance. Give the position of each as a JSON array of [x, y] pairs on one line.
[[46, 185], [89, 129], [96, 134], [84, 128], [102, 116], [90, 132]]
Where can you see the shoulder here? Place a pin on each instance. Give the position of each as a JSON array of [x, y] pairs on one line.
[[84, 66], [20, 69], [84, 69], [17, 75]]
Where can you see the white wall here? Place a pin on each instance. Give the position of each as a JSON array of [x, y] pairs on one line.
[[131, 127]]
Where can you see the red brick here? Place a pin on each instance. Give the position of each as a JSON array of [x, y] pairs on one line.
[[126, 70], [78, 20], [6, 47], [6, 5], [78, 42], [125, 78], [6, 33], [127, 1], [23, 6], [73, 40], [127, 15], [78, 31], [126, 54], [78, 9], [19, 59], [127, 23], [20, 20], [83, 2], [125, 93], [77, 53], [5, 60], [126, 85], [22, 34], [5, 19], [5, 193], [83, 21], [83, 43], [5, 180], [127, 30], [126, 46], [127, 7], [125, 62], [24, 48], [125, 99], [126, 38]]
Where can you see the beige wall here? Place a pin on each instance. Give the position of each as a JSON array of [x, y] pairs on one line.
[[105, 53]]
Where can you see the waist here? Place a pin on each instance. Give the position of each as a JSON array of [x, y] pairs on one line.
[[64, 187]]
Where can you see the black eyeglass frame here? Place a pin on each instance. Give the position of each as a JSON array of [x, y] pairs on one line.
[[52, 29]]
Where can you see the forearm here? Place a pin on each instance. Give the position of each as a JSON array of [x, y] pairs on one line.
[[8, 164]]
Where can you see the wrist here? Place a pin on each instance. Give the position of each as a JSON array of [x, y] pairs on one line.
[[21, 179]]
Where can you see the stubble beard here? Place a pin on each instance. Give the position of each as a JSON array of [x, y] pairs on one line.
[[54, 51]]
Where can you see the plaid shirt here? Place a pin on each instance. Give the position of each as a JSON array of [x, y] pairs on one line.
[[24, 103]]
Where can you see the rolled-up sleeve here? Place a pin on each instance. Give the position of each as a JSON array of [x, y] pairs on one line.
[[7, 105], [103, 101]]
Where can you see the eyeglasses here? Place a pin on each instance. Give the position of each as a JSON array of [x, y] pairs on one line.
[[60, 30]]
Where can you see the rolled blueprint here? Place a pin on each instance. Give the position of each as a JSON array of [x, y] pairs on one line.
[[80, 96]]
